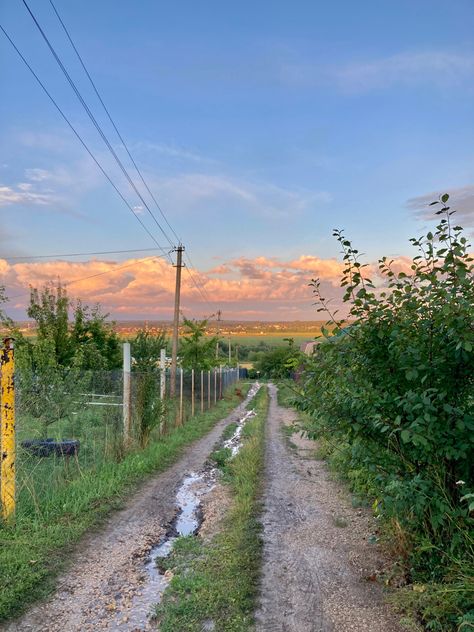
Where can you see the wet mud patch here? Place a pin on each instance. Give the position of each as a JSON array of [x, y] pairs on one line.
[[187, 522]]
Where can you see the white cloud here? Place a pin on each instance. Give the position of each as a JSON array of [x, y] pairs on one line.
[[22, 194], [170, 150], [193, 191], [438, 68]]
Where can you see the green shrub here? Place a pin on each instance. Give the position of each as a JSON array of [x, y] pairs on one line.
[[394, 393]]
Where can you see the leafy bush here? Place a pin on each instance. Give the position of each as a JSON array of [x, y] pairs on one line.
[[396, 388]]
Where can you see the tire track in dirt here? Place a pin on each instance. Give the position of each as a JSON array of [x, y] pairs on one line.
[[314, 572], [108, 566]]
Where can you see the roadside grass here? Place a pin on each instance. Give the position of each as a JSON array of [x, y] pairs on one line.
[[215, 584], [39, 545]]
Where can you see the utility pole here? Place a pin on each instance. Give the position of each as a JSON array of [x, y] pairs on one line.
[[174, 350], [230, 352], [218, 331]]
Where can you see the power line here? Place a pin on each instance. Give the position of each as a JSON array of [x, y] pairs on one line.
[[94, 120], [200, 287], [78, 254], [78, 136], [112, 121]]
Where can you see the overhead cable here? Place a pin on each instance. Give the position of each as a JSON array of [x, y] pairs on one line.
[[112, 120], [94, 121], [78, 136]]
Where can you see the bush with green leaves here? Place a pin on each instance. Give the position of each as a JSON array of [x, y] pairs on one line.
[[280, 362], [395, 392]]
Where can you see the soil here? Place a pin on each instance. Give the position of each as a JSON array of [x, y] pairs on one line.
[[107, 569], [321, 559]]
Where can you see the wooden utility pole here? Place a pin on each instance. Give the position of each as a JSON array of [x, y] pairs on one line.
[[230, 352], [174, 351]]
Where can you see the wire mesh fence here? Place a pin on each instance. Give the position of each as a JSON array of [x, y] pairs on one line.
[[71, 424]]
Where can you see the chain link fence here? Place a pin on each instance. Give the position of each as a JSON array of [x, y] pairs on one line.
[[71, 423]]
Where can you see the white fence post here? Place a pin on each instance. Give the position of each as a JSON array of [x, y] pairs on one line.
[[202, 391], [127, 366], [209, 388], [162, 373]]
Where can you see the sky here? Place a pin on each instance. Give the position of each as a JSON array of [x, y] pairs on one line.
[[258, 126]]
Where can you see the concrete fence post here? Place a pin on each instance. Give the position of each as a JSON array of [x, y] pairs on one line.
[[127, 397]]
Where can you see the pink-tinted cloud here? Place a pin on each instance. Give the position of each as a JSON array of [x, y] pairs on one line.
[[261, 287]]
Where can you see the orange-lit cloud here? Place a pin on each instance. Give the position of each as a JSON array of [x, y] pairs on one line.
[[257, 287]]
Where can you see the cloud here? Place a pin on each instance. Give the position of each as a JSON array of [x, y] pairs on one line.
[[461, 200], [22, 194], [146, 286], [170, 151], [217, 192], [435, 67]]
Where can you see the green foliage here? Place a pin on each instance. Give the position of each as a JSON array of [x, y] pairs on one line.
[[281, 362], [396, 387], [89, 342], [49, 308], [48, 391], [148, 409], [197, 351], [94, 340], [146, 350]]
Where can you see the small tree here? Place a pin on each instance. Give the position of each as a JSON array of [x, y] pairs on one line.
[[149, 409], [49, 308], [197, 350]]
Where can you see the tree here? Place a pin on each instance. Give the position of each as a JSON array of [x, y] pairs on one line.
[[49, 308], [197, 350], [94, 338], [149, 409], [89, 342], [280, 362]]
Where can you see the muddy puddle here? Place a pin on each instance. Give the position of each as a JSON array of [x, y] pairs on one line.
[[187, 521]]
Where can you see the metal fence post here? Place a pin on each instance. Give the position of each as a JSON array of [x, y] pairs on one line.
[[7, 422], [127, 417], [220, 382]]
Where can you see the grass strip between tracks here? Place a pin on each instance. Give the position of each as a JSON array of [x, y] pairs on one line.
[[38, 547], [215, 584]]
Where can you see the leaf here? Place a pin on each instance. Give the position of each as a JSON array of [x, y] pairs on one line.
[[405, 435], [444, 198], [433, 203]]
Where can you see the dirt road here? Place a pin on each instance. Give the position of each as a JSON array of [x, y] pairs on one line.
[[108, 570], [318, 557]]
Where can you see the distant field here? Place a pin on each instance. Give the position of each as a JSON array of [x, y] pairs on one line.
[[271, 339]]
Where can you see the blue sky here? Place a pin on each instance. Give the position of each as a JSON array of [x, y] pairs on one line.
[[259, 126]]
